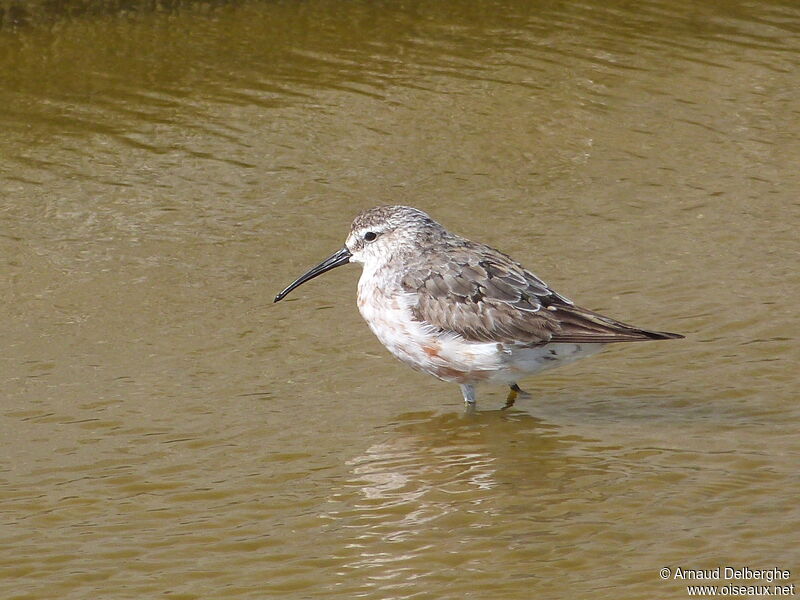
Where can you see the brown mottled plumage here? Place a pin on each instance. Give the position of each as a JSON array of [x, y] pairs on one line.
[[484, 295], [460, 310]]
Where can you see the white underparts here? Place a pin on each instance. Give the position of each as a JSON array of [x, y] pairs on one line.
[[448, 356]]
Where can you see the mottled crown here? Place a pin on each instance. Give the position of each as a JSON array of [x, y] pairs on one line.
[[385, 232], [393, 217]]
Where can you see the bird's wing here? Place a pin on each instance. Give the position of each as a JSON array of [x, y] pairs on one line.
[[484, 295]]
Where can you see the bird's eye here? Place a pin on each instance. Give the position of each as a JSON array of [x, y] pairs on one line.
[[370, 236]]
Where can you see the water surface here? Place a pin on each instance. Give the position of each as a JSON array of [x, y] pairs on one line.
[[166, 430]]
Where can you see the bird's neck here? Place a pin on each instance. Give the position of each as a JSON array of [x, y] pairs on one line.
[[379, 274]]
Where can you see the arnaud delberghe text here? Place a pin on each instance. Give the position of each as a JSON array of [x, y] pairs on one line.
[[732, 573]]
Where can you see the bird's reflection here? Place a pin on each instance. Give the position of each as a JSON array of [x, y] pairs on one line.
[[430, 475], [432, 472]]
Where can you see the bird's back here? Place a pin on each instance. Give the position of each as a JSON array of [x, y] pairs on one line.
[[483, 295]]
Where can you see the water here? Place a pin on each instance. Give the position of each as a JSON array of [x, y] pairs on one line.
[[166, 430]]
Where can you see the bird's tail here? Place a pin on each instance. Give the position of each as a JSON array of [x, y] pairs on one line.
[[579, 325]]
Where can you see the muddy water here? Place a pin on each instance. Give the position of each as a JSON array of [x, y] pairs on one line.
[[166, 430]]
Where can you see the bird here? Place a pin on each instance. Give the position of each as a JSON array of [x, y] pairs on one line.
[[463, 311]]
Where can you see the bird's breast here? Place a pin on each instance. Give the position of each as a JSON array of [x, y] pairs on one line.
[[387, 309], [386, 312]]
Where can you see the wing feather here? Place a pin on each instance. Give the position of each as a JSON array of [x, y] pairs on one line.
[[484, 295]]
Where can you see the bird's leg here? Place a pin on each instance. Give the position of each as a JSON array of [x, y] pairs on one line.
[[513, 394], [468, 390]]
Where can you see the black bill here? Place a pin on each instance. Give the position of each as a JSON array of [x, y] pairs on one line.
[[341, 257]]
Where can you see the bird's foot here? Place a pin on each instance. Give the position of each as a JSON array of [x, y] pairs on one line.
[[514, 393], [468, 391]]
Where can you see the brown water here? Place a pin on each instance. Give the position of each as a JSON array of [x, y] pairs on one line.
[[167, 431]]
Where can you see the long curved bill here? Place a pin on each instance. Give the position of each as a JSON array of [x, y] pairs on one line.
[[341, 257]]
